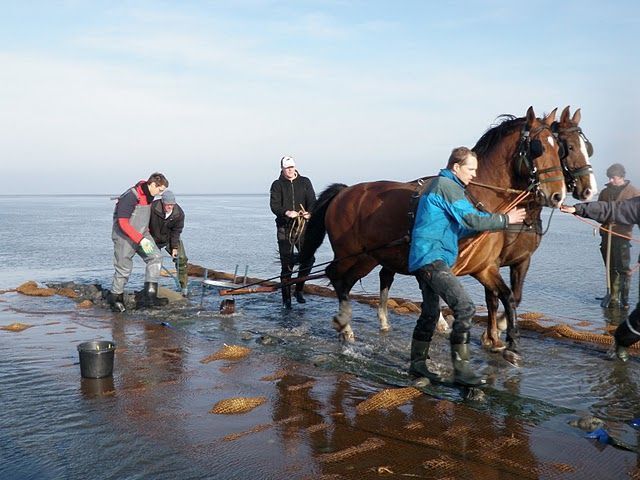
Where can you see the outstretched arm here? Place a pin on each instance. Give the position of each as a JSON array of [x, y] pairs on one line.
[[626, 212]]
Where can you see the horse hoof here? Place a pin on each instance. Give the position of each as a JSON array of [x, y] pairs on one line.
[[385, 328], [497, 348], [512, 357], [347, 337]]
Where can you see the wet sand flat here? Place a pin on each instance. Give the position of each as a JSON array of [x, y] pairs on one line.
[[153, 418]]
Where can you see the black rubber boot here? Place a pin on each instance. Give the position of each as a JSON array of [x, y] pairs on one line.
[[622, 352], [116, 301], [286, 296], [625, 282], [463, 374], [150, 298], [614, 301], [299, 296], [419, 357], [625, 337]]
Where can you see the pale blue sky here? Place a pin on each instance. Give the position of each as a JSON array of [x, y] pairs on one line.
[[95, 95]]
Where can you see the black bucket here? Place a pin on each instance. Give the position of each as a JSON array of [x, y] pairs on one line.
[[96, 358]]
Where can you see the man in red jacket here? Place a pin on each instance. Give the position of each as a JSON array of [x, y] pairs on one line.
[[130, 235]]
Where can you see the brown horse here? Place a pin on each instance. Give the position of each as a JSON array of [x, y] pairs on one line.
[[576, 150], [521, 242], [368, 223]]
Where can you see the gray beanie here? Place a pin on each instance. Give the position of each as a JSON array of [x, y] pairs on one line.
[[168, 197], [616, 170]]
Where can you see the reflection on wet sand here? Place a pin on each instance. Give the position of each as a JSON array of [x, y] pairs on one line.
[[151, 419]]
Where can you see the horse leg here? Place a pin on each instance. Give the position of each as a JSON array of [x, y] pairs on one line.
[[343, 281], [511, 352], [491, 336], [491, 279], [386, 279], [342, 321], [517, 273]]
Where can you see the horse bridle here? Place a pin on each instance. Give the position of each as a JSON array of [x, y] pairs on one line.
[[529, 148], [571, 175]]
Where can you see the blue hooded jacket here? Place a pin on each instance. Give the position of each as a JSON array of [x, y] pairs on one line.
[[445, 215]]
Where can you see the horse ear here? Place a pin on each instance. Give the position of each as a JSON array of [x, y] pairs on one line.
[[531, 116], [564, 117], [576, 117], [549, 119]]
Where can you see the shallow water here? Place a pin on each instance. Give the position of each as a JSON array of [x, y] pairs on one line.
[[68, 239]]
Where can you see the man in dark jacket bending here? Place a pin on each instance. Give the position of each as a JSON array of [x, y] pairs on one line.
[[292, 198], [166, 225], [625, 212]]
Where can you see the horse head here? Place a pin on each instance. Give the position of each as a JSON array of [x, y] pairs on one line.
[[575, 150], [528, 149], [538, 157]]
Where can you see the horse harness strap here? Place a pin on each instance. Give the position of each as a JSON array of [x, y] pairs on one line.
[[571, 174], [528, 150], [421, 186]]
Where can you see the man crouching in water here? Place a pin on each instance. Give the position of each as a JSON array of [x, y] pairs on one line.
[[624, 212], [443, 216], [130, 235]]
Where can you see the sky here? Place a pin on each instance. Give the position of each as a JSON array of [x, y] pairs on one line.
[[96, 95]]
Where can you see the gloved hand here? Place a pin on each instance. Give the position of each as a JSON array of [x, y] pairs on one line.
[[146, 245]]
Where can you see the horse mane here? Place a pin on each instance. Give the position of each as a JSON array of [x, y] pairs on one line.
[[507, 123]]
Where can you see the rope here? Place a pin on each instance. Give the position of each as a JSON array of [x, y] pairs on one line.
[[611, 232], [499, 189], [297, 230], [475, 244], [606, 230]]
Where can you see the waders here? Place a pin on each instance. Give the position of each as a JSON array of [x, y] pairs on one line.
[[607, 298]]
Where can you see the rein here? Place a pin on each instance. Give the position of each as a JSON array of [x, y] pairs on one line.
[[314, 274], [499, 189], [475, 244]]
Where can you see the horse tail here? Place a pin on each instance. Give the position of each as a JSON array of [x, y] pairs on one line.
[[316, 229]]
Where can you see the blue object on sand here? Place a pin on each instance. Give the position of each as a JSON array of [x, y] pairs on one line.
[[635, 423], [600, 434]]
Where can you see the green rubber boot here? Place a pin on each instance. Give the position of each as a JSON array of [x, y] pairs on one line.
[[463, 374], [419, 357]]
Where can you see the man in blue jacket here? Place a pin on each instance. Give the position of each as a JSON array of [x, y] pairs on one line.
[[444, 215], [625, 212]]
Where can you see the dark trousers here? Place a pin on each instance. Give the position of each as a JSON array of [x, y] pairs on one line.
[[620, 255], [287, 258], [181, 264], [437, 281]]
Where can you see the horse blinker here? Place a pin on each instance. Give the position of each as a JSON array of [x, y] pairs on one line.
[[535, 148]]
